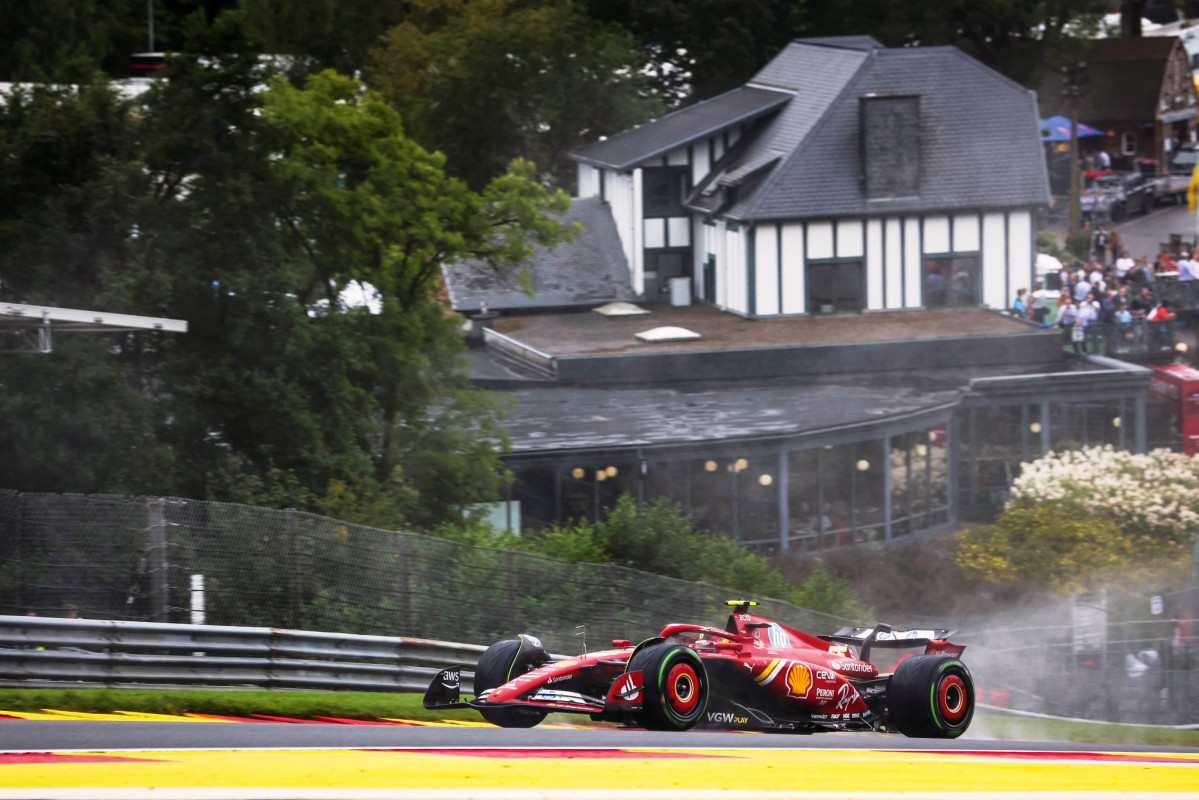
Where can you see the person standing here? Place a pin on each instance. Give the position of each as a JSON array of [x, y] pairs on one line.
[[1115, 244], [1123, 265], [1067, 316], [1020, 304], [1099, 244]]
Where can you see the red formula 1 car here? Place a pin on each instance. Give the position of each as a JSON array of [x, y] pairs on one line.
[[754, 674]]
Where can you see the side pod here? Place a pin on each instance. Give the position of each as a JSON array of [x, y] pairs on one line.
[[445, 689]]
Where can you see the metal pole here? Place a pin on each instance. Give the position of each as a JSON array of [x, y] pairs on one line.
[[886, 468], [784, 501], [150, 19]]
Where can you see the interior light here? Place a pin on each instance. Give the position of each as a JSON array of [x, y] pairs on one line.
[[601, 475], [611, 472], [1035, 427], [710, 466], [577, 473], [742, 464], [863, 465], [1181, 347], [1117, 422], [765, 479], [922, 450]]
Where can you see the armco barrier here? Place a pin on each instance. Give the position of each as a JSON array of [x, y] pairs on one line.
[[61, 653]]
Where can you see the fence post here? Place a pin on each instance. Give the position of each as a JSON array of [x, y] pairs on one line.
[[406, 616], [513, 594], [156, 552], [295, 576]]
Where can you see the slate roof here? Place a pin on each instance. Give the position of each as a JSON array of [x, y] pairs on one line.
[[637, 145], [852, 42], [591, 271], [980, 143], [1125, 78]]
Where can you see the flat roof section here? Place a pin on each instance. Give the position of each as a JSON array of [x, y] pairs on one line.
[[574, 334]]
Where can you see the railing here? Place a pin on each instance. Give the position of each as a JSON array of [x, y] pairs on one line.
[[36, 652], [521, 352], [1121, 339]]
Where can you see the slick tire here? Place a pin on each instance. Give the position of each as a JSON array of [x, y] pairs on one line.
[[930, 697], [675, 686], [499, 664]]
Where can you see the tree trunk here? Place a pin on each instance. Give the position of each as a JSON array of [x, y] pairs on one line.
[[1130, 18]]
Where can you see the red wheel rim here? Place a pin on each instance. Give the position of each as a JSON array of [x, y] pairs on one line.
[[953, 701], [682, 688]]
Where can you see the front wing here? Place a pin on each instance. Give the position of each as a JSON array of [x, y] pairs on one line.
[[445, 691]]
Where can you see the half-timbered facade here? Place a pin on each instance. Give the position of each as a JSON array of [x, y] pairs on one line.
[[844, 177]]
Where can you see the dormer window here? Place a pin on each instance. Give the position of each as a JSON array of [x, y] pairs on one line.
[[891, 146], [663, 190]]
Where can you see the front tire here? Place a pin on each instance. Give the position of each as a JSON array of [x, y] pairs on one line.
[[675, 686], [930, 697], [499, 664]]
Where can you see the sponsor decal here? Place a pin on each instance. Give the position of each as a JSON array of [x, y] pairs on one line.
[[561, 664], [565, 677], [825, 675], [839, 649], [852, 666], [758, 644], [846, 697], [778, 636], [799, 680], [533, 640], [629, 690], [824, 694], [770, 671], [727, 717], [744, 618], [451, 678]]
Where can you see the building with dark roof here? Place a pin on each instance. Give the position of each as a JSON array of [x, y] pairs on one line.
[[1138, 91], [843, 177], [864, 214]]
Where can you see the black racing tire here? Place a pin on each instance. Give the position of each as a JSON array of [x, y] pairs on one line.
[[499, 664], [930, 697], [675, 686]]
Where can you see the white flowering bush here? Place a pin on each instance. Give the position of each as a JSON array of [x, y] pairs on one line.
[[1152, 497]]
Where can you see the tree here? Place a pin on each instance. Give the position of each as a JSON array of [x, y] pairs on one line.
[[488, 81], [247, 212], [324, 34], [1080, 514]]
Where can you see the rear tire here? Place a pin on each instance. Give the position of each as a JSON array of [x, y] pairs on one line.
[[930, 697], [499, 664], [675, 686]]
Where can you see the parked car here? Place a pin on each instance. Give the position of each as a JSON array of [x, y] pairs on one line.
[[753, 674], [1122, 194]]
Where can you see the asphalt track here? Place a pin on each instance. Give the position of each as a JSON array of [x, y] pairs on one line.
[[101, 760]]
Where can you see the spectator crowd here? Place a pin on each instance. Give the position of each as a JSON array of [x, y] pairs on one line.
[[1109, 300]]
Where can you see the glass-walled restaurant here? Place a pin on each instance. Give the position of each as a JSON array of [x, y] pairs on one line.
[[876, 482]]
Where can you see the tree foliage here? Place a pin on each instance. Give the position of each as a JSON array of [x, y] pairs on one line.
[[247, 205], [487, 81]]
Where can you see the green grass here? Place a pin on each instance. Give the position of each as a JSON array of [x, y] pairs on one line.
[[352, 705], [1000, 727]]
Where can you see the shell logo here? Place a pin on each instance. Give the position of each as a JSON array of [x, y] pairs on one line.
[[799, 680]]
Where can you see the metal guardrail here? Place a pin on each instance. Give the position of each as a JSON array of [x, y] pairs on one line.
[[58, 653]]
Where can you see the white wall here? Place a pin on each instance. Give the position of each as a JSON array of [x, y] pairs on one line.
[[1021, 240], [700, 163], [618, 190], [874, 265], [589, 184], [766, 270], [893, 261], [911, 263], [994, 260], [795, 295], [637, 263], [737, 294]]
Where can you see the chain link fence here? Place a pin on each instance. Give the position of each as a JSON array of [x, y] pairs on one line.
[[136, 558]]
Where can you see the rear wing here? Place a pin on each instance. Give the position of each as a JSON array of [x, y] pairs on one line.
[[885, 637]]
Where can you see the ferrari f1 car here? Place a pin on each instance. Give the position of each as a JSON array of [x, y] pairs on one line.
[[755, 674]]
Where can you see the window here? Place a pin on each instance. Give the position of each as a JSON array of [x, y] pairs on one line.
[[836, 288], [952, 282], [663, 190], [1128, 143]]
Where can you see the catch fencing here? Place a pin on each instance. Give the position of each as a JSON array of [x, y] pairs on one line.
[[41, 653], [182, 561]]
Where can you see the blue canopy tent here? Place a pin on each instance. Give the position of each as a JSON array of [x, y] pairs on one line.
[[1057, 129]]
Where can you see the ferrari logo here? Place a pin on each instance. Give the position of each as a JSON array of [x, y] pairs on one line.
[[799, 680]]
